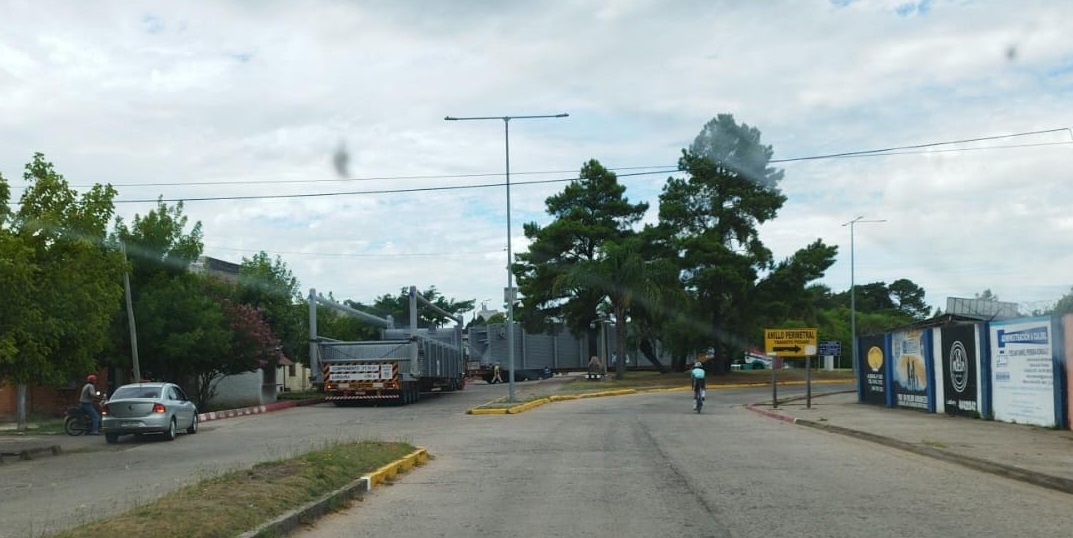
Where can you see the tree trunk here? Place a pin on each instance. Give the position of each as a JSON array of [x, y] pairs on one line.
[[20, 407], [649, 352]]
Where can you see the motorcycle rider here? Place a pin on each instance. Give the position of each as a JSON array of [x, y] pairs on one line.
[[85, 401]]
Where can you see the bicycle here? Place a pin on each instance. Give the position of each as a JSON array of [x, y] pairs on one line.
[[698, 398]]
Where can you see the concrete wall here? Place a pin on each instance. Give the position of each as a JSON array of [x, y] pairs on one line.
[[244, 390]]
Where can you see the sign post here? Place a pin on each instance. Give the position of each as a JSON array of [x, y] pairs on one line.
[[774, 384], [791, 343]]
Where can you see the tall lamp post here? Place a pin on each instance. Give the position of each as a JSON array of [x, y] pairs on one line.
[[853, 285], [509, 295]]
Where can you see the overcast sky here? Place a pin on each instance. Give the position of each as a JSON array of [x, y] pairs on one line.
[[189, 100]]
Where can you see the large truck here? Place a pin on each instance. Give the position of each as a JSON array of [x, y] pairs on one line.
[[397, 368]]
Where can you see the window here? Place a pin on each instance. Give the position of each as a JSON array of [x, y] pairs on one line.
[[292, 370]]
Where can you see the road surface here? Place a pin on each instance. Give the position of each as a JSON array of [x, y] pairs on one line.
[[645, 465]]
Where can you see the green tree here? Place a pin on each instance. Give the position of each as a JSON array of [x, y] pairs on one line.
[[590, 212], [909, 298], [712, 216], [398, 307], [55, 324], [161, 250], [269, 285], [625, 279]]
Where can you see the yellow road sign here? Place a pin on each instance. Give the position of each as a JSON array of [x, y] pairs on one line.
[[790, 343]]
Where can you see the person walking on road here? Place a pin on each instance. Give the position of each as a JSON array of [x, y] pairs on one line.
[[85, 401]]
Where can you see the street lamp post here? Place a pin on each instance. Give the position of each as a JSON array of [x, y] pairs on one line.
[[510, 295], [853, 286]]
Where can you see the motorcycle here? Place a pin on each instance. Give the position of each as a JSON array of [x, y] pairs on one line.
[[78, 422]]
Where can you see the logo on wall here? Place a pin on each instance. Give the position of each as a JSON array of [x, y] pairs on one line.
[[959, 366], [875, 358]]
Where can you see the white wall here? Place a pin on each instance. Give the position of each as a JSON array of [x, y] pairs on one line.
[[242, 390]]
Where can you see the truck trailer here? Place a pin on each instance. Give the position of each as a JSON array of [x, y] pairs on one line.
[[397, 368]]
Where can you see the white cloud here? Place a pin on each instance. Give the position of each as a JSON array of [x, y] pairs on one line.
[[184, 93]]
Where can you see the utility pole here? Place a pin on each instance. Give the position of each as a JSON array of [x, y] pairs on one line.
[[130, 315]]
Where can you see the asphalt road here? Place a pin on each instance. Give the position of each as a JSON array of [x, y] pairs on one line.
[[638, 465], [644, 465]]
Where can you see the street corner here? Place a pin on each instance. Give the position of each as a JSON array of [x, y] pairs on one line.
[[760, 410], [395, 468]]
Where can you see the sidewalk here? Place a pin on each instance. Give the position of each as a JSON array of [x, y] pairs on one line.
[[1040, 456], [14, 447]]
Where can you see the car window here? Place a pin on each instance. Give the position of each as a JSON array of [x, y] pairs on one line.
[[181, 394], [173, 394], [136, 392]]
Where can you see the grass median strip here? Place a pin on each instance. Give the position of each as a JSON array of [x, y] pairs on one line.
[[243, 499]]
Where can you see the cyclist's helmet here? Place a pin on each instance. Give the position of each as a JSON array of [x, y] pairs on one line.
[[91, 378], [698, 365]]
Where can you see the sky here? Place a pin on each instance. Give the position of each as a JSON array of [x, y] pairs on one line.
[[239, 109]]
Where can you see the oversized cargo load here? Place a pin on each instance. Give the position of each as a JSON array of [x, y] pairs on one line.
[[398, 368]]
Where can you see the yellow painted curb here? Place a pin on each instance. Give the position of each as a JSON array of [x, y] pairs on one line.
[[494, 411], [526, 406], [601, 394], [563, 397], [392, 469]]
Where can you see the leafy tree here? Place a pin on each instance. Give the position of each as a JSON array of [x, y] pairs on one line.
[[269, 286], [398, 307], [161, 251], [987, 295], [590, 212], [624, 278], [712, 216], [909, 298], [63, 283]]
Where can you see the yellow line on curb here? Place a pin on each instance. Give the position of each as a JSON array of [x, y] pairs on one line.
[[396, 467]]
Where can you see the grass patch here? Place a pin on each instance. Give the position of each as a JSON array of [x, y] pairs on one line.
[[241, 500], [933, 444], [39, 426]]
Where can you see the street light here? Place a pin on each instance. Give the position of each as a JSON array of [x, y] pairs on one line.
[[509, 295], [853, 286]]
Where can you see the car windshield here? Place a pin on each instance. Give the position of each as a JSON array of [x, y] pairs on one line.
[[125, 393]]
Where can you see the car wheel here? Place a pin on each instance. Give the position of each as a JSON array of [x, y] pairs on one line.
[[111, 438], [170, 433], [193, 426]]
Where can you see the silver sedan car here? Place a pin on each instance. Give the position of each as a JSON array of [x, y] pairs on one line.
[[148, 408]]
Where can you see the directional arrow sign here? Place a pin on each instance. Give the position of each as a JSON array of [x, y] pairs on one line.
[[790, 343]]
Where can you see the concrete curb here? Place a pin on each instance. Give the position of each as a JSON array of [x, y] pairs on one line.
[[291, 521], [521, 408], [255, 410], [1035, 478]]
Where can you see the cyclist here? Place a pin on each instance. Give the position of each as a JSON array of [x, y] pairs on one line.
[[697, 375]]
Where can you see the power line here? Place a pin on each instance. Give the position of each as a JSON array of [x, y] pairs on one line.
[[347, 180], [927, 145], [895, 150], [341, 255], [382, 191]]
